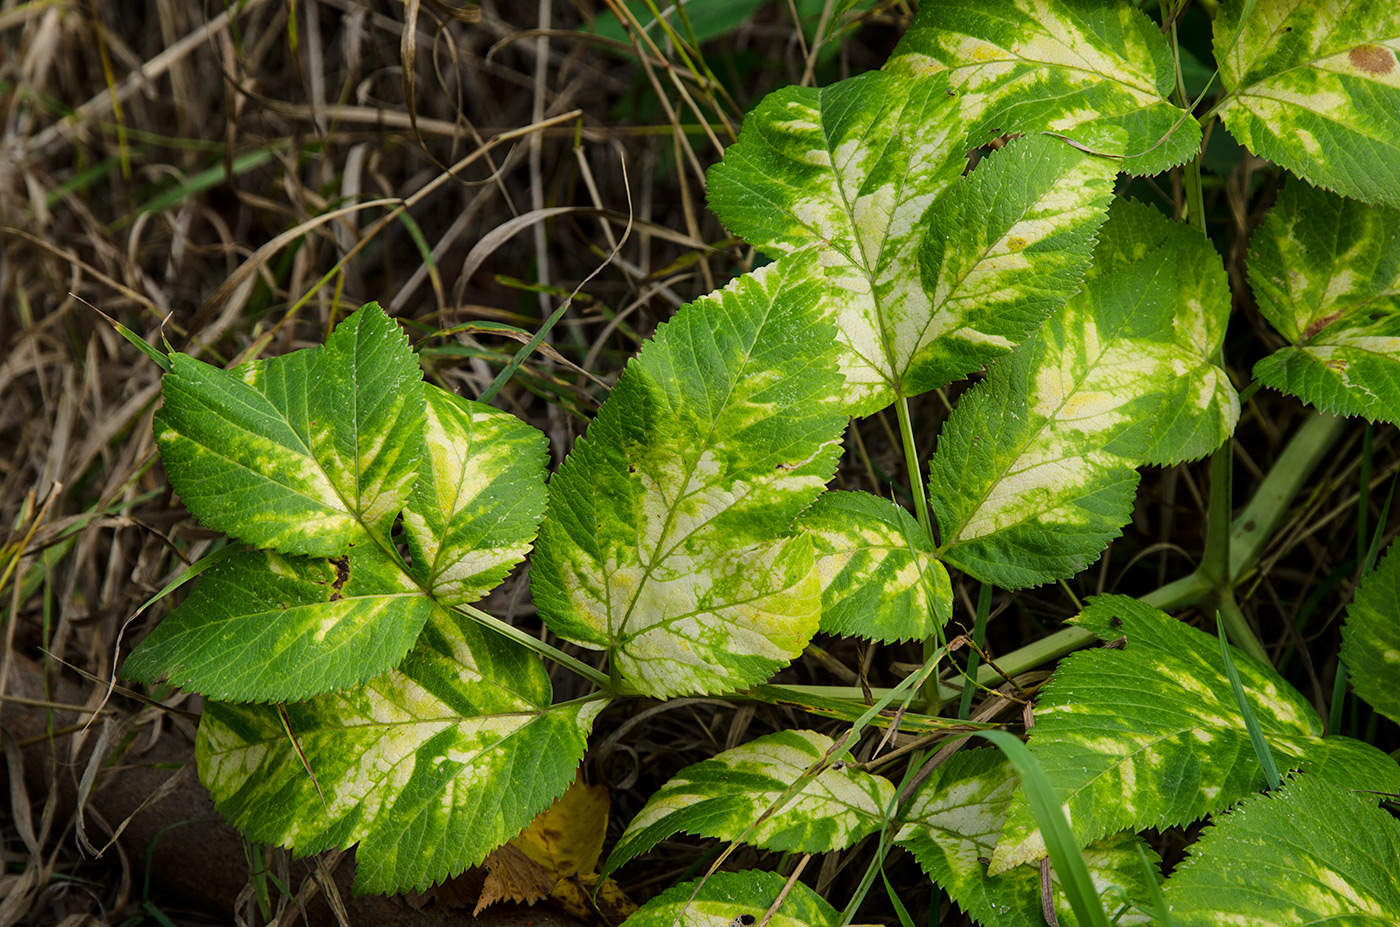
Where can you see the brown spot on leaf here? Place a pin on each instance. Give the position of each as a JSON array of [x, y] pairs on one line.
[[1373, 59], [1338, 364], [342, 576], [1320, 324]]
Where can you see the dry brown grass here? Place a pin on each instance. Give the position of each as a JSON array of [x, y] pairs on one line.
[[233, 181]]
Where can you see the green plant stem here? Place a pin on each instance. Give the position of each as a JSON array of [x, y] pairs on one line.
[[911, 463], [1259, 520], [1252, 529]]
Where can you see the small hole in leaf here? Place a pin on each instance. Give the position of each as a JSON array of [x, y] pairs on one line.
[[1115, 622], [743, 920]]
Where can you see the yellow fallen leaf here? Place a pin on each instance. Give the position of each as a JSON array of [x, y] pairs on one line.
[[575, 895], [567, 837]]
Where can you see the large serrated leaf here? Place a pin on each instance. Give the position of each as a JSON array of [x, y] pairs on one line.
[[878, 574], [301, 453], [478, 500], [1096, 71], [428, 767], [1309, 853], [726, 899], [1035, 471], [934, 275], [1371, 638], [952, 823], [263, 627], [1150, 736], [1315, 86], [1326, 273], [1200, 407], [662, 539], [724, 797]]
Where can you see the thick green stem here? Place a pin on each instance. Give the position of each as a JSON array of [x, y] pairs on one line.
[[1259, 520], [911, 464]]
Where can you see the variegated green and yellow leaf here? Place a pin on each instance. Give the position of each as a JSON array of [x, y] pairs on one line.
[[1149, 735], [1326, 273], [729, 898], [1095, 71], [952, 824], [728, 796], [1315, 86], [264, 627], [1309, 853], [662, 542], [301, 453], [879, 577], [853, 170], [1200, 407], [478, 500], [1036, 468], [1371, 638], [428, 768]]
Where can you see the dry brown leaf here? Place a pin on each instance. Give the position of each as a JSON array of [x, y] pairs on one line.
[[513, 876]]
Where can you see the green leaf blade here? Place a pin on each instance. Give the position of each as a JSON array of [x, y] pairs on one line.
[[660, 540], [1371, 638], [728, 898], [1036, 469], [1316, 88], [1096, 72], [1309, 853], [874, 583], [1149, 735], [868, 171], [428, 767], [479, 498], [1326, 273], [952, 825], [242, 468], [1005, 247], [265, 627], [302, 453], [725, 796]]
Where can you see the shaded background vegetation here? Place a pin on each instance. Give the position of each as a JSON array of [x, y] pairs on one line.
[[234, 178]]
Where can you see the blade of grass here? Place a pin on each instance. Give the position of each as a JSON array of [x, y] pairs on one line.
[[1251, 723]]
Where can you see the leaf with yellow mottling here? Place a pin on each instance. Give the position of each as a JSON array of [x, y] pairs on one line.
[[878, 574], [736, 795], [478, 500], [263, 627], [428, 768], [663, 540], [1149, 735], [1095, 71], [1315, 86], [931, 274], [302, 453], [1309, 853], [1326, 273]]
